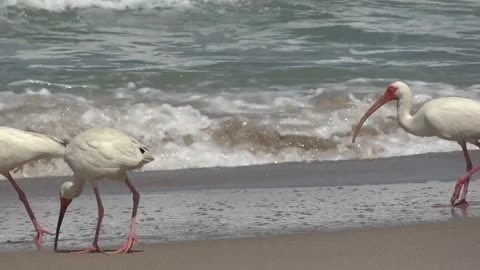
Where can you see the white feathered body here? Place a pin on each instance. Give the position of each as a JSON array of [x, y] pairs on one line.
[[105, 153], [449, 118], [18, 147]]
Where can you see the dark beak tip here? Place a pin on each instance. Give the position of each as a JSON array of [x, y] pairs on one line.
[[64, 203]]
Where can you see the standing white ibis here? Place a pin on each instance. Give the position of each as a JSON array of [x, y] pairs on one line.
[[19, 147], [449, 118], [96, 154]]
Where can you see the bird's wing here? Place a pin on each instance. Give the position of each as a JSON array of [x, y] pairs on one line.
[[115, 153], [31, 143], [455, 118]]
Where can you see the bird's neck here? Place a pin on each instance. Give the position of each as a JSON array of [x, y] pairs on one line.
[[77, 187], [406, 120]]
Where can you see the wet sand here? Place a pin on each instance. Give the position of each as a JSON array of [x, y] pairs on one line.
[[452, 245], [349, 209]]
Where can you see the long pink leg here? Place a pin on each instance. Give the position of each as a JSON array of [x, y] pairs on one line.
[[461, 181], [23, 198], [466, 181], [95, 247], [131, 236], [463, 198]]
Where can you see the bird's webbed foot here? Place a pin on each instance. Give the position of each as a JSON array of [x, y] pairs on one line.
[[127, 246], [461, 204], [91, 249], [40, 233]]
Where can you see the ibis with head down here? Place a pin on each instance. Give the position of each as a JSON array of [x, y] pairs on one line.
[[96, 154], [19, 147]]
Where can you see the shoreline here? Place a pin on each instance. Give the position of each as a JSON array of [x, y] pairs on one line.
[[275, 199], [442, 167], [182, 215], [446, 245]]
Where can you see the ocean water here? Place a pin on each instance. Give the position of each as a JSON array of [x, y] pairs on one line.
[[232, 82]]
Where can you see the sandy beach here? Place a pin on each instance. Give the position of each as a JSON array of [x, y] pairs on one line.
[[247, 112], [388, 213], [452, 245], [240, 202]]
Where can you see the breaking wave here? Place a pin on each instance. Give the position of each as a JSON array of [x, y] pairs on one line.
[[227, 129]]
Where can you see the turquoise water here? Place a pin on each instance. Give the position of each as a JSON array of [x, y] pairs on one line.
[[230, 82]]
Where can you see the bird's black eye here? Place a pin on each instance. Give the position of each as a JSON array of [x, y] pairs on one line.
[[142, 150], [391, 90]]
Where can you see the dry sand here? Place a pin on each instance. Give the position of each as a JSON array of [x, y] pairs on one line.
[[452, 245]]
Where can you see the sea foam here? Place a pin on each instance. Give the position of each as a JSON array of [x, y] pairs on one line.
[[229, 129], [61, 5]]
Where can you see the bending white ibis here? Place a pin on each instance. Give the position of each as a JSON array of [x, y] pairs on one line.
[[19, 147], [449, 118], [96, 154]]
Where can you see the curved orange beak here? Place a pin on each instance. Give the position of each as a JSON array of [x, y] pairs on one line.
[[385, 98], [64, 202]]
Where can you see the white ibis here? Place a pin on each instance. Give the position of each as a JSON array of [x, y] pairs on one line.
[[449, 118], [19, 147], [96, 154]]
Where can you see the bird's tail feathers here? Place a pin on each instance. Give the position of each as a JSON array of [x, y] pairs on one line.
[[147, 156]]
